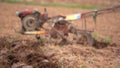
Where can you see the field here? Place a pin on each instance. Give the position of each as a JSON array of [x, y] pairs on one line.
[[24, 51]]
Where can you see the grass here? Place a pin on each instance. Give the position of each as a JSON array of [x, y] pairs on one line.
[[9, 1], [83, 66], [102, 38], [108, 40], [53, 4]]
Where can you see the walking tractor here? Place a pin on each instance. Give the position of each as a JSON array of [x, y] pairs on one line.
[[58, 29]]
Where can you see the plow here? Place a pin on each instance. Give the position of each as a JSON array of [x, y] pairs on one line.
[[58, 29]]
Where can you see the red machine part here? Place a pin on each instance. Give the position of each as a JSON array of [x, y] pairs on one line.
[[26, 12], [60, 26]]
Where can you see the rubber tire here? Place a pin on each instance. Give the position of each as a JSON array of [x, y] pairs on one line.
[[29, 28]]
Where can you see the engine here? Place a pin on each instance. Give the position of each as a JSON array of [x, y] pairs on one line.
[[60, 25]]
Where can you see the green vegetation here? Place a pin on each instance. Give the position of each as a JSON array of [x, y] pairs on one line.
[[101, 38], [53, 4], [94, 35], [10, 1], [83, 66], [68, 5], [107, 40]]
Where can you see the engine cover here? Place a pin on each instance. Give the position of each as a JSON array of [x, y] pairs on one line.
[[60, 26]]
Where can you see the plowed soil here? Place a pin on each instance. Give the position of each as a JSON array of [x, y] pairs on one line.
[[23, 51]]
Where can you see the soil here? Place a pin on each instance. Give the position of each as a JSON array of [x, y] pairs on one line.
[[87, 2], [24, 51]]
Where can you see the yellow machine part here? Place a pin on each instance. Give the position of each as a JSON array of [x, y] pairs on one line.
[[35, 32]]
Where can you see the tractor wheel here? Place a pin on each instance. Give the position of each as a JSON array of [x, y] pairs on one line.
[[30, 23]]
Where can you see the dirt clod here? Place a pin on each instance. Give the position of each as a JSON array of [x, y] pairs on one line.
[[28, 55]]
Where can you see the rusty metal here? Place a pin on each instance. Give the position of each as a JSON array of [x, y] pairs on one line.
[[61, 28], [101, 11]]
